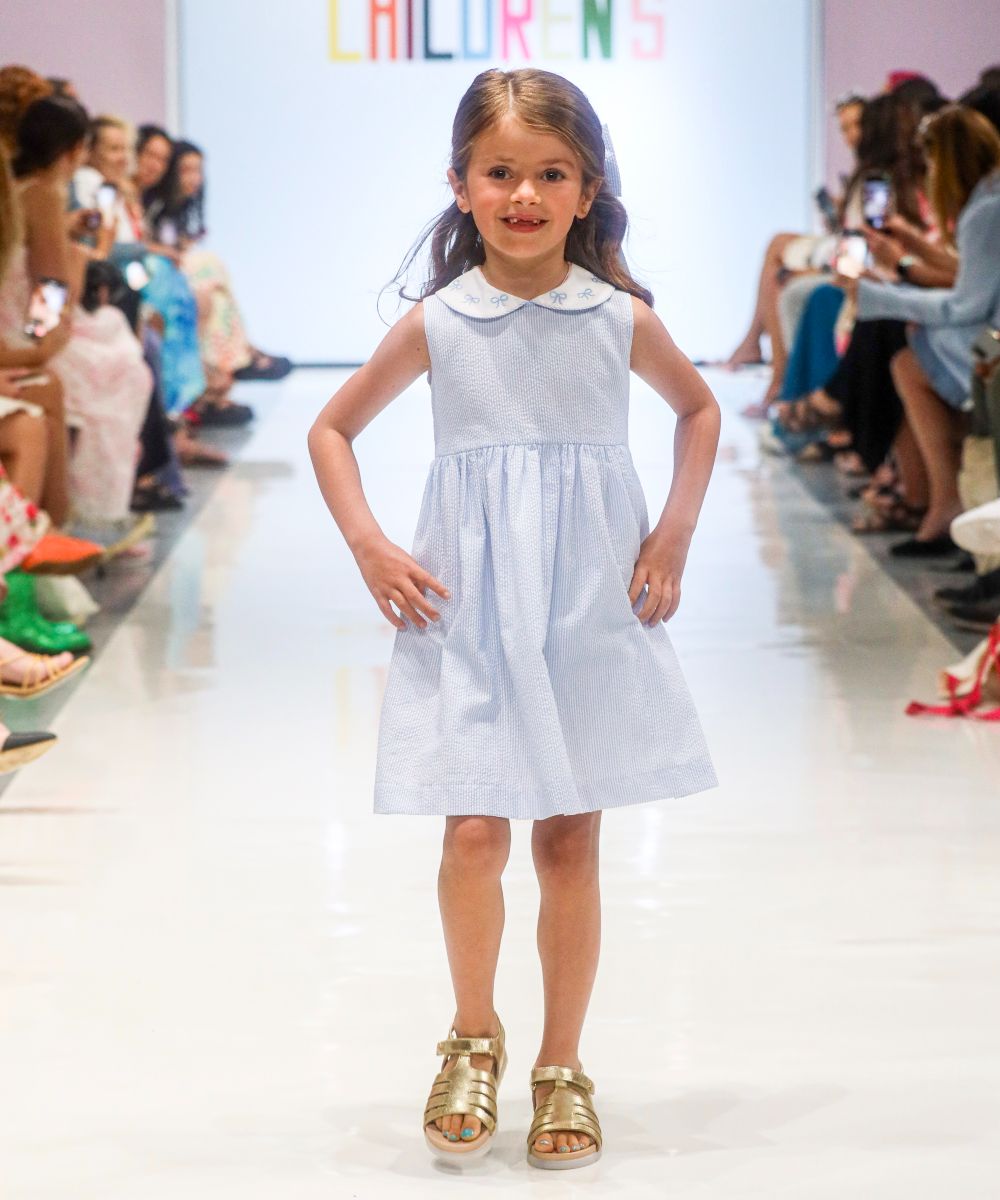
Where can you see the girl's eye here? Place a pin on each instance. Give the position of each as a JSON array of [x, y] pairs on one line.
[[552, 175]]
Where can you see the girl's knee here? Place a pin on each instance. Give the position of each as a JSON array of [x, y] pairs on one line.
[[565, 841], [483, 842]]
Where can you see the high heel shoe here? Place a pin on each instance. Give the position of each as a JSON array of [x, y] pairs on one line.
[[463, 1089], [19, 749], [567, 1109]]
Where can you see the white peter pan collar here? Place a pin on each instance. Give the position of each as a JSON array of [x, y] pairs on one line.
[[473, 295]]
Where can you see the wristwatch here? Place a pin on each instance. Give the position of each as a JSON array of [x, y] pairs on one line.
[[903, 266]]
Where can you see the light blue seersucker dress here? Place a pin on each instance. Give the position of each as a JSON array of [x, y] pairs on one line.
[[539, 691]]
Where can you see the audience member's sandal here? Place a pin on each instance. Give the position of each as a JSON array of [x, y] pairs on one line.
[[19, 749], [939, 547], [464, 1090], [58, 554], [567, 1109], [896, 517], [264, 367], [39, 674]]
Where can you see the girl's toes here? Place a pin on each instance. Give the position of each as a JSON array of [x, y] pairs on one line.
[[543, 1144], [454, 1128], [470, 1128], [562, 1144], [574, 1142]]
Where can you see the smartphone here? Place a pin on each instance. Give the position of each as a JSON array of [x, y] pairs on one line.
[[107, 194], [136, 276], [166, 233], [852, 254], [48, 298], [825, 204], [876, 200]]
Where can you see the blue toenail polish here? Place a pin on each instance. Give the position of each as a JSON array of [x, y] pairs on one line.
[[564, 1149], [452, 1137], [468, 1133]]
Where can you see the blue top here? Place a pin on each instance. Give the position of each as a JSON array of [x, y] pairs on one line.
[[952, 317]]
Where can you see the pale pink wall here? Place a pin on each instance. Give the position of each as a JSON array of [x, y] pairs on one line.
[[948, 40], [113, 50]]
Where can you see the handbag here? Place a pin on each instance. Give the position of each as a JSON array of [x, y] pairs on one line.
[[969, 685]]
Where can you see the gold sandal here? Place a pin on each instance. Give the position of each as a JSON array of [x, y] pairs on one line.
[[568, 1109], [40, 676], [464, 1089]]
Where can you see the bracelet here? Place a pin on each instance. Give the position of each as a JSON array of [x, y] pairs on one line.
[[906, 262]]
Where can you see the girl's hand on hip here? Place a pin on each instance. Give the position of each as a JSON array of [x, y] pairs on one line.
[[391, 574], [659, 568]]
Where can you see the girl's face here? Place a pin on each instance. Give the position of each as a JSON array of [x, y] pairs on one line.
[[151, 162], [523, 189], [190, 175]]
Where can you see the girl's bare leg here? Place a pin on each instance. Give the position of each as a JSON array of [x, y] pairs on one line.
[[23, 450], [938, 431], [470, 895], [565, 850], [748, 351]]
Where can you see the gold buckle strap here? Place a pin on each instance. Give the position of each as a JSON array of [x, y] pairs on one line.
[[562, 1075], [469, 1045]]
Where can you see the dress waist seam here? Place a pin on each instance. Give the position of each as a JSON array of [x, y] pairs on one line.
[[538, 442]]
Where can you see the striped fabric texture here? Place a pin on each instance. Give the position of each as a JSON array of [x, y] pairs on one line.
[[539, 692]]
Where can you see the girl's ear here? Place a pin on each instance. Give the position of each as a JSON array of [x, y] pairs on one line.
[[587, 199], [458, 187]]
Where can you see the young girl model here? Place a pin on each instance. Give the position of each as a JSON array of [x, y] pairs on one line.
[[544, 685]]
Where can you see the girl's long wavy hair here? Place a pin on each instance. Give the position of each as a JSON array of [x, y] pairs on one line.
[[551, 104]]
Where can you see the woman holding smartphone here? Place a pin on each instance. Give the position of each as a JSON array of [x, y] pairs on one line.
[[106, 382], [932, 373]]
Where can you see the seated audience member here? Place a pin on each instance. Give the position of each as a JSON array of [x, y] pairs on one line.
[[166, 290], [175, 207], [33, 443], [922, 94], [106, 383], [885, 148], [932, 373], [19, 87], [806, 248]]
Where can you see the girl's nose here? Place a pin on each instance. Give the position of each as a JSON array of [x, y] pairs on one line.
[[525, 191]]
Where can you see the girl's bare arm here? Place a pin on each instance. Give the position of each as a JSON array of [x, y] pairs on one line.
[[657, 360], [389, 572]]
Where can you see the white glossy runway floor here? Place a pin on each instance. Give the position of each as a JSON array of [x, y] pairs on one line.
[[222, 976]]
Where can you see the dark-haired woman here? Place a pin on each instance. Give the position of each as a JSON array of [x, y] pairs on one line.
[[106, 382], [175, 215]]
